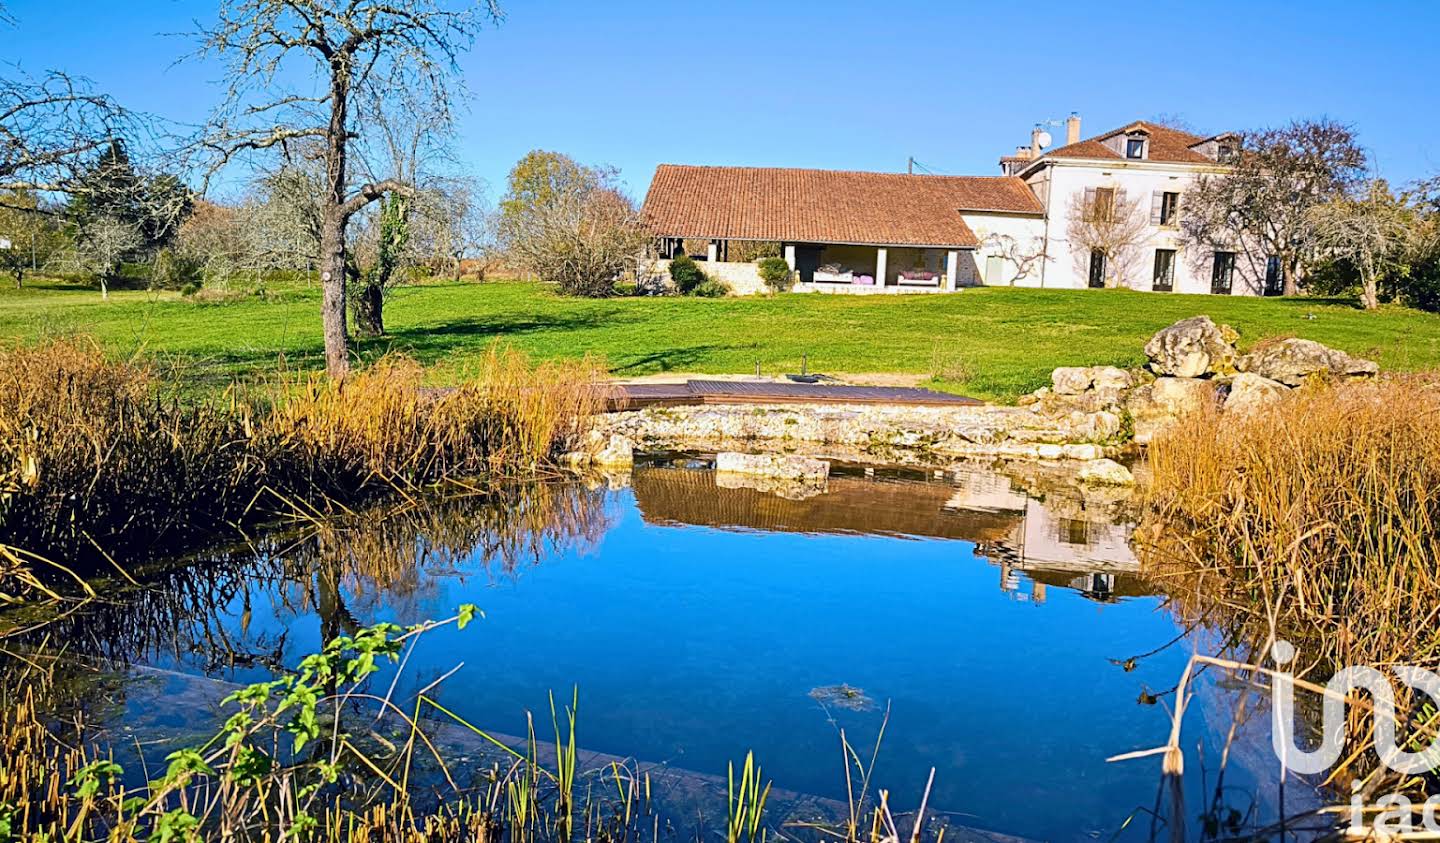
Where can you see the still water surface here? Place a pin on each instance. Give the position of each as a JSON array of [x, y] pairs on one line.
[[698, 619]]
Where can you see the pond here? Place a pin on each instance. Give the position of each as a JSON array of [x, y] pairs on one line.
[[996, 628]]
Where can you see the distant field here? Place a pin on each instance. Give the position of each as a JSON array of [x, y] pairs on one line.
[[992, 343]]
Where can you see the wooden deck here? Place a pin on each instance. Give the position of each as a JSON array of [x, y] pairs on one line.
[[638, 396]]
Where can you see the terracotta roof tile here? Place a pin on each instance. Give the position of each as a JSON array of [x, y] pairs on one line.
[[826, 206], [1166, 144]]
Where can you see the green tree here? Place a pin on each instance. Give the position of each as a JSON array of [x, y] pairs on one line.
[[112, 189], [392, 241], [30, 235], [543, 178]]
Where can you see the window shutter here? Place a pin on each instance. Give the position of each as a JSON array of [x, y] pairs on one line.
[[1089, 203], [1157, 199]]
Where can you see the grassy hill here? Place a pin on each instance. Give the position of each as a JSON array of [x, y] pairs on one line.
[[990, 342]]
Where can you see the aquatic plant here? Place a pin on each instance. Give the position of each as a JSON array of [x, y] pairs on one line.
[[746, 803], [98, 457], [317, 753]]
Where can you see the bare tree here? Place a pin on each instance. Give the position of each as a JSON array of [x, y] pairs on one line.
[[362, 49], [49, 127], [1262, 205], [1376, 233], [1026, 256], [99, 247], [1108, 221]]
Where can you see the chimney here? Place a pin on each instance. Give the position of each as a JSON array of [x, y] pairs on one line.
[[1022, 152], [1072, 129], [1035, 141]]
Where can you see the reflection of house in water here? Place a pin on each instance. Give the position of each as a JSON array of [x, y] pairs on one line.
[[1052, 541]]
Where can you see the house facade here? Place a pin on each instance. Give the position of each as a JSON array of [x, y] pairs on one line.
[[1102, 211]]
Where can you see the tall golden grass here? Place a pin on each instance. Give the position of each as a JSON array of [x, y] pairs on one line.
[[1313, 520], [98, 456], [1320, 511]]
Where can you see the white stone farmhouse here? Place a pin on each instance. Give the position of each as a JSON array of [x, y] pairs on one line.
[[1095, 212]]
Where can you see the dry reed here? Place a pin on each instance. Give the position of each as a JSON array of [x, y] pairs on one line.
[[97, 458], [1322, 510]]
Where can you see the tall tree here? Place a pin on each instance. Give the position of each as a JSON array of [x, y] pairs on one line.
[[570, 224], [361, 49], [1262, 205], [110, 187], [1376, 232]]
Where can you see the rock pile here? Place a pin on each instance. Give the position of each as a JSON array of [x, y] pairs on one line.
[[1194, 364]]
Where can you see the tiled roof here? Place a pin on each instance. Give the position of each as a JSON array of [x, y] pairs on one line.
[[1166, 144], [826, 206]]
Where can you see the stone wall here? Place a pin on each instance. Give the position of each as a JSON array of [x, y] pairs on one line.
[[742, 278]]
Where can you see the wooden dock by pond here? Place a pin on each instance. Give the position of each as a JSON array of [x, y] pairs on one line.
[[637, 396]]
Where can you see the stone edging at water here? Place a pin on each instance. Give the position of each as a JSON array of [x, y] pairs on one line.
[[1086, 419]]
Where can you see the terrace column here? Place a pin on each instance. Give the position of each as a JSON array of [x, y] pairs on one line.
[[952, 270], [712, 253], [881, 256]]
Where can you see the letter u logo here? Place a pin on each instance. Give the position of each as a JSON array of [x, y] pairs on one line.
[[1332, 738]]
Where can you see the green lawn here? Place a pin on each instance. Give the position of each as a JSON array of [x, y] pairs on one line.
[[993, 343]]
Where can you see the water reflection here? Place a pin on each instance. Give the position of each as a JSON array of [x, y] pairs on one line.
[[698, 615], [343, 571], [1056, 534]]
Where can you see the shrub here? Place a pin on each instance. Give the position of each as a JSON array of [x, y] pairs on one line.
[[627, 288], [173, 271], [711, 288], [686, 274], [776, 273]]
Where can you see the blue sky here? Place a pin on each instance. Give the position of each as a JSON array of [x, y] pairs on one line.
[[842, 84]]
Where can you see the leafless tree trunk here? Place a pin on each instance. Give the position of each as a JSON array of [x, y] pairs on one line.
[[1109, 222], [363, 48]]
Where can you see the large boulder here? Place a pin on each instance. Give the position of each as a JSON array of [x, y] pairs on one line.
[[1249, 391], [1180, 396], [1192, 348], [1291, 361], [1105, 472], [1071, 380]]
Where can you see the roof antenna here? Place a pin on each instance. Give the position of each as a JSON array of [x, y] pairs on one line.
[[910, 166]]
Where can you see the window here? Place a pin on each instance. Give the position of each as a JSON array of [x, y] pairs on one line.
[[1169, 208], [1164, 280], [1099, 203], [1274, 276], [1225, 153], [1097, 268], [1222, 275], [1135, 148]]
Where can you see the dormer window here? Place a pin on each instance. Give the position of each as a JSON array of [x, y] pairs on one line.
[[1135, 147]]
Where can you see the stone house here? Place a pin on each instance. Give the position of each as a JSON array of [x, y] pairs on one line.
[[866, 233]]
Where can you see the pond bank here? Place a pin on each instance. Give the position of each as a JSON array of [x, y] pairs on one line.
[[1088, 415]]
